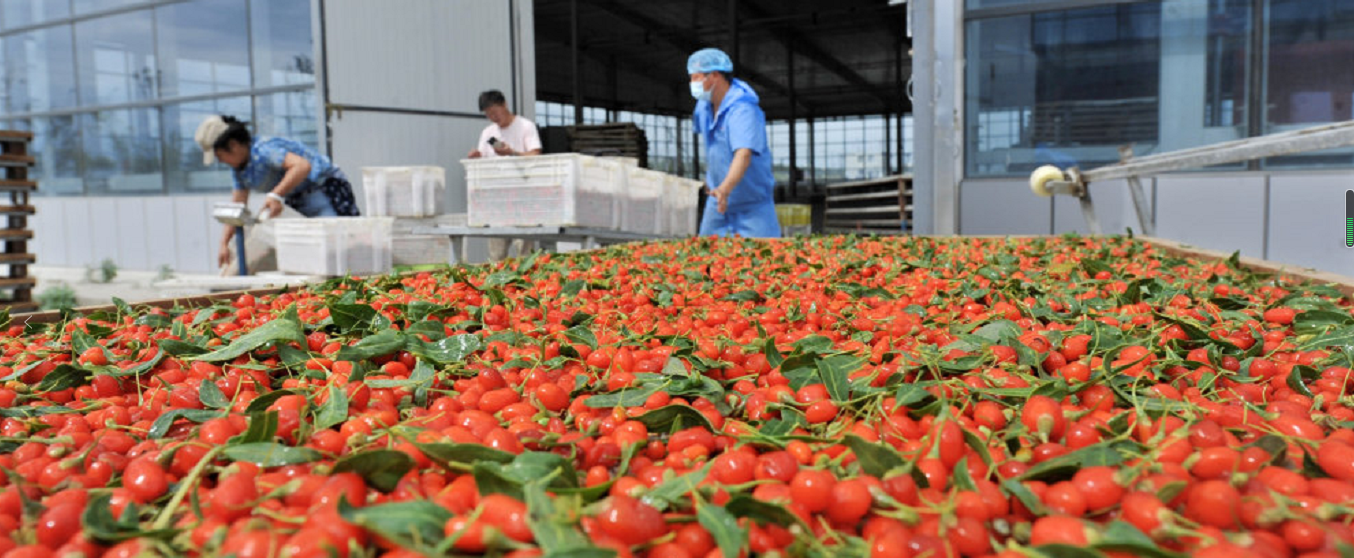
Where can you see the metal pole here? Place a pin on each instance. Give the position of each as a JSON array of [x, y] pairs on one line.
[[1255, 107], [239, 251], [813, 151], [794, 139], [733, 32], [578, 64], [902, 94]]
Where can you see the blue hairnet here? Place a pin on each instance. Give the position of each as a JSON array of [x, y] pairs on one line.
[[708, 60]]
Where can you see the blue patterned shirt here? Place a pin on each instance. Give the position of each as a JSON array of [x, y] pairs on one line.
[[264, 169]]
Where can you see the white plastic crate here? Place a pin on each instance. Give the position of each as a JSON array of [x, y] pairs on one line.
[[550, 190], [334, 246], [418, 249], [642, 210], [403, 191], [681, 198]]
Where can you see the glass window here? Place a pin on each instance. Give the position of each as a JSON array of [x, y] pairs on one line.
[[283, 42], [39, 70], [89, 6], [56, 148], [122, 151], [981, 4], [21, 13], [204, 47], [184, 171], [288, 115], [1064, 88], [116, 59], [1309, 72]]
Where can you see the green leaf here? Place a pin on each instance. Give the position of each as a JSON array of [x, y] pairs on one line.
[[269, 454], [1064, 551], [420, 310], [161, 426], [210, 395], [723, 527], [1064, 466], [64, 377], [912, 396], [876, 459], [423, 377], [572, 288], [676, 490], [99, 524], [835, 372], [141, 368], [673, 418], [446, 454], [262, 428], [1298, 378], [773, 355], [81, 342], [381, 344], [381, 468], [34, 412], [413, 524], [743, 505], [451, 350], [334, 411], [279, 330], [181, 349], [552, 527], [352, 318], [491, 478], [1122, 536], [582, 335], [745, 296], [626, 397], [1025, 495], [262, 402], [813, 344]]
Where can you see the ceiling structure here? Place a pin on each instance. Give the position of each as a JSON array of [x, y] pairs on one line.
[[850, 56]]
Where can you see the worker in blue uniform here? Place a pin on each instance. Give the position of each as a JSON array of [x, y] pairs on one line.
[[738, 161]]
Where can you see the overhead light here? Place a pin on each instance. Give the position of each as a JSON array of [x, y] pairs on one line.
[[897, 2]]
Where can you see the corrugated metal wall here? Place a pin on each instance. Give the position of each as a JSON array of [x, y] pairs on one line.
[[410, 73], [1289, 217], [140, 233], [413, 70]]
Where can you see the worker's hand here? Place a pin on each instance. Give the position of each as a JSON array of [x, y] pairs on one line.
[[474, 154], [503, 149], [273, 207], [722, 196], [223, 257]]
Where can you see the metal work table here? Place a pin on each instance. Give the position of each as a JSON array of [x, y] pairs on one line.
[[589, 238]]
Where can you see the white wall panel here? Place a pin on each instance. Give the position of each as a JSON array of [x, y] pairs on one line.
[[1005, 206], [131, 221], [161, 241], [1306, 221], [1221, 212], [417, 54]]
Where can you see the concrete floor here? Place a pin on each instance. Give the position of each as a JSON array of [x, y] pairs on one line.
[[138, 286]]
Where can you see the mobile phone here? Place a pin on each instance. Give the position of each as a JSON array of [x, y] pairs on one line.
[[493, 142]]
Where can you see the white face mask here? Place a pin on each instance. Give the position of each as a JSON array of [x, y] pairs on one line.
[[698, 91]]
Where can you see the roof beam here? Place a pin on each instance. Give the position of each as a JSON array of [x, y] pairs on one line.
[[682, 40], [806, 47]]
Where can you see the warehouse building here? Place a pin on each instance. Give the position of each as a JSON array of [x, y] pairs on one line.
[[968, 97]]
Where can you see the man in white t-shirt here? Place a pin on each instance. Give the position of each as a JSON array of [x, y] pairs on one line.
[[509, 135]]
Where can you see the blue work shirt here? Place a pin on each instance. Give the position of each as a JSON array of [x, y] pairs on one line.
[[740, 123], [264, 169]]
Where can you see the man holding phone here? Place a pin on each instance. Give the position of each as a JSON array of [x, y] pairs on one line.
[[508, 135]]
